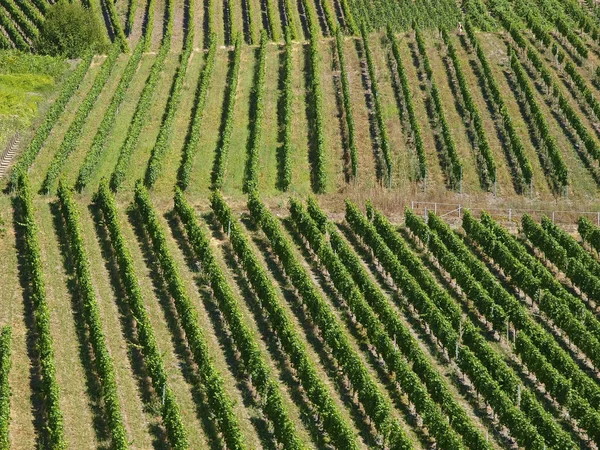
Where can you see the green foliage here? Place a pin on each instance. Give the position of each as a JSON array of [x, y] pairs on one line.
[[517, 312], [142, 108], [245, 342], [549, 151], [531, 276], [451, 164], [384, 142], [339, 432], [166, 127], [376, 331], [94, 154], [472, 354], [256, 118], [91, 313], [195, 128], [504, 120], [339, 40], [71, 30], [55, 111], [407, 96], [222, 151], [54, 433], [472, 118], [284, 166], [16, 62], [153, 359], [376, 406], [5, 364], [71, 137], [218, 400]]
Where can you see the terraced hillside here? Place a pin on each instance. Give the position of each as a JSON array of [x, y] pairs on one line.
[[204, 244]]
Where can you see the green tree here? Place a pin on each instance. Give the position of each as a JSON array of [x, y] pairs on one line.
[[70, 30]]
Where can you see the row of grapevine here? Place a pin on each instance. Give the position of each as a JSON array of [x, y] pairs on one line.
[[284, 166], [15, 36], [153, 360], [71, 138], [149, 25], [330, 18], [477, 14], [41, 5], [589, 233], [43, 131], [568, 113], [192, 138], [222, 150], [256, 117], [209, 23], [406, 378], [347, 100], [338, 431], [374, 403], [443, 318], [5, 363], [550, 153], [133, 4], [429, 376], [35, 15], [453, 166], [247, 15], [584, 311], [142, 108], [564, 25], [91, 313], [349, 22], [115, 23], [495, 314], [473, 117], [517, 264], [571, 116], [315, 101], [271, 14], [5, 43], [517, 312], [161, 144], [230, 37], [219, 402], [404, 15], [384, 143], [54, 435], [504, 121], [578, 13], [571, 246], [290, 26], [27, 27], [508, 380], [415, 128], [584, 90], [94, 154], [573, 267], [271, 400]]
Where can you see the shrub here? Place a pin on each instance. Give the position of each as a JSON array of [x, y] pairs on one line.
[[69, 31]]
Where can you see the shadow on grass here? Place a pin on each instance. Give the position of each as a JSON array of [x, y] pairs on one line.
[[86, 353], [129, 329], [38, 406], [315, 340], [226, 341], [187, 365]]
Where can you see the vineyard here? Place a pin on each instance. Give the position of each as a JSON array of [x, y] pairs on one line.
[[206, 238]]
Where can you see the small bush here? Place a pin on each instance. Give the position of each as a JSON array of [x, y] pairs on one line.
[[70, 30]]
